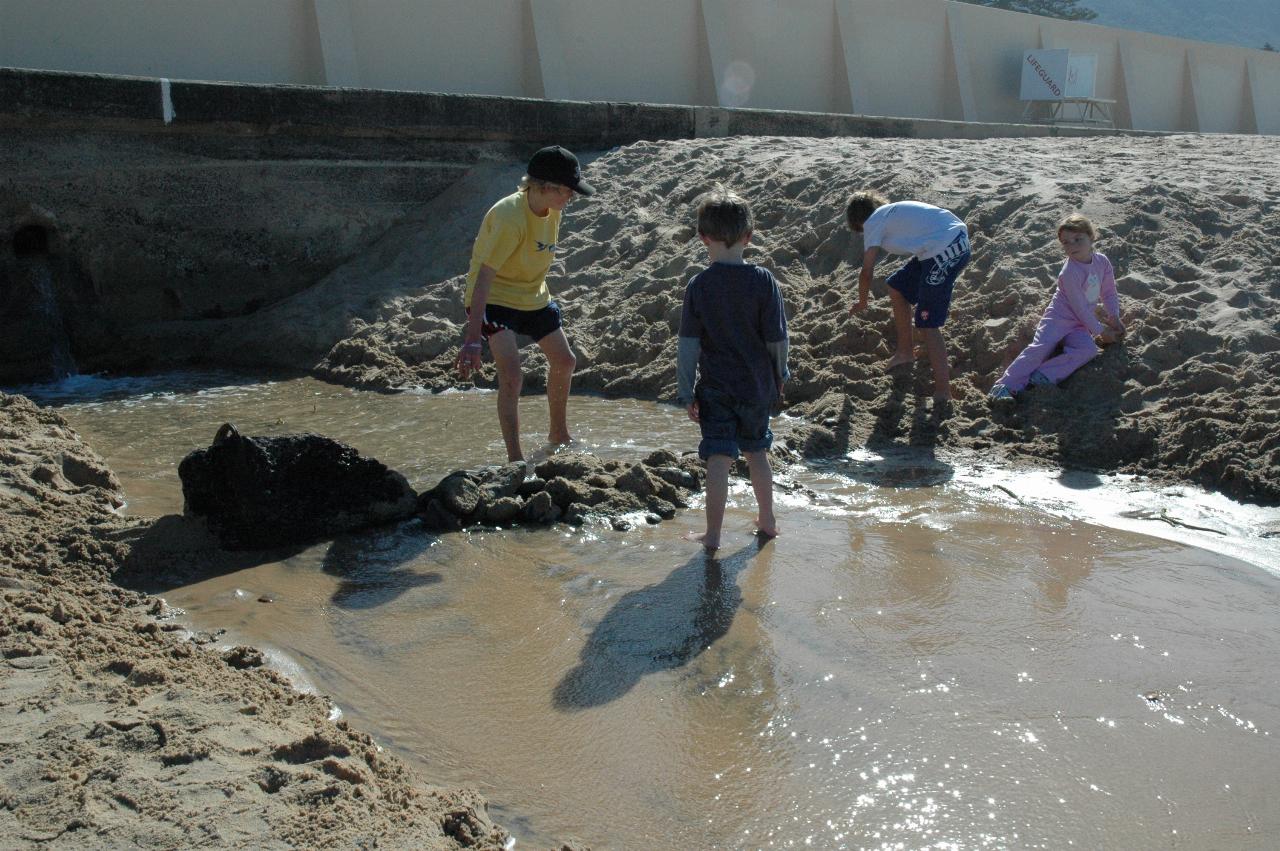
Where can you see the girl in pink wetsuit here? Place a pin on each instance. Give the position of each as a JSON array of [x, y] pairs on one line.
[[1086, 278]]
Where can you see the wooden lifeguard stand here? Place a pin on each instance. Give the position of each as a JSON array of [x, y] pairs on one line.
[[1059, 88]]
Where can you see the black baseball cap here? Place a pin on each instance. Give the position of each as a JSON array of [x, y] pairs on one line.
[[556, 165]]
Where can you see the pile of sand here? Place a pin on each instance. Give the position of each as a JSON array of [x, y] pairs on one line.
[[121, 729], [1191, 223]]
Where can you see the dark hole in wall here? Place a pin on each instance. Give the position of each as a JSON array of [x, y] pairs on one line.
[[31, 241]]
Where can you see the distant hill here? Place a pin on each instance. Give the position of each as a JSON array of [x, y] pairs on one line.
[[1250, 23]]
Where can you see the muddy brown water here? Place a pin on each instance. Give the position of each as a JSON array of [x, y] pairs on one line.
[[936, 653]]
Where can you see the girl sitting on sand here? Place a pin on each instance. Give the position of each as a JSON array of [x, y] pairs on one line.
[[1086, 277]]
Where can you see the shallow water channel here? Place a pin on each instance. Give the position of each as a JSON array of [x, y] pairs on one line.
[[936, 653]]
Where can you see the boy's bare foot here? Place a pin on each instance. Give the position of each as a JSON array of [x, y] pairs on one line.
[[899, 359], [708, 542], [768, 531], [560, 439]]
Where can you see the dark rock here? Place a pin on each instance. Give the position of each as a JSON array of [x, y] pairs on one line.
[[652, 519], [505, 480], [661, 507], [569, 465], [637, 481], [259, 492], [436, 518], [530, 486], [540, 509], [502, 511], [677, 477], [621, 524], [575, 514], [563, 491], [459, 493], [662, 458]]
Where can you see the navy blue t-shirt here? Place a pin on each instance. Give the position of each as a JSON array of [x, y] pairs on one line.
[[735, 309]]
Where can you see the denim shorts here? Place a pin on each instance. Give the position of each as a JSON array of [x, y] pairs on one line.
[[729, 425], [535, 324], [928, 283]]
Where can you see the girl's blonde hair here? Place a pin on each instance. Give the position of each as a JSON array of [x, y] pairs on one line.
[[1078, 223]]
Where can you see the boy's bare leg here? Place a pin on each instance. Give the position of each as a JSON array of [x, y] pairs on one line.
[[560, 366], [902, 328], [762, 484], [717, 496], [506, 357], [937, 347]]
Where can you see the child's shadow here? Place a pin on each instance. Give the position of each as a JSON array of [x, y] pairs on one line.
[[656, 628], [889, 418]]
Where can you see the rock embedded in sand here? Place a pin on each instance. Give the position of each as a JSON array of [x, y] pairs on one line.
[[572, 487], [260, 492]]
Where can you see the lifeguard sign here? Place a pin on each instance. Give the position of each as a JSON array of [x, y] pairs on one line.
[[1064, 82]]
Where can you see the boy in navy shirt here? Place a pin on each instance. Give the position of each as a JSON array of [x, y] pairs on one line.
[[733, 339]]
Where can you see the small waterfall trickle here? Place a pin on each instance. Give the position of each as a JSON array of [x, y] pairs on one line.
[[38, 343], [47, 312]]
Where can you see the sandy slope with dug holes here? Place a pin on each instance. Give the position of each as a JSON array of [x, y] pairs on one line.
[[121, 730], [1191, 223]]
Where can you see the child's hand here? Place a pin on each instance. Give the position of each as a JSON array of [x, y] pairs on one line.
[[468, 357], [692, 410], [1106, 338]]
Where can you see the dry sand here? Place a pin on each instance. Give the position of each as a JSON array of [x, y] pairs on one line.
[[1191, 223]]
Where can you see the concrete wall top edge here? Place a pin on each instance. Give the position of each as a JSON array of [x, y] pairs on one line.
[[41, 97]]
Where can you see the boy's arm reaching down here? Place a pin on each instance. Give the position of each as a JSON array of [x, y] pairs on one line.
[[690, 348]]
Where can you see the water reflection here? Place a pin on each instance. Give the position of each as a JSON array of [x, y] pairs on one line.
[[657, 628], [894, 466]]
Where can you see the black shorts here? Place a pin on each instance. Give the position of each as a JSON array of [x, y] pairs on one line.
[[535, 324]]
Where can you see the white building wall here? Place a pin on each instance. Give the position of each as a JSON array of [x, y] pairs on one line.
[[908, 58]]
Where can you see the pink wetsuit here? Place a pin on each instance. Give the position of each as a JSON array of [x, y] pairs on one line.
[[1069, 319]]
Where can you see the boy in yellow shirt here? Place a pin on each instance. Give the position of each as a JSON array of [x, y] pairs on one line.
[[507, 291]]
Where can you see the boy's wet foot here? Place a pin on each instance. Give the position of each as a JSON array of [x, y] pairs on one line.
[[705, 538], [899, 360], [766, 531], [559, 439]]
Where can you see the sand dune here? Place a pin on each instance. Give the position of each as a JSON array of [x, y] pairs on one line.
[[1191, 223]]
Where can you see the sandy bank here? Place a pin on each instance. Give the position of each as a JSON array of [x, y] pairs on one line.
[[123, 730], [1191, 223]]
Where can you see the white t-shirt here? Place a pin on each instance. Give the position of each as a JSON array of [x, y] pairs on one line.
[[910, 227]]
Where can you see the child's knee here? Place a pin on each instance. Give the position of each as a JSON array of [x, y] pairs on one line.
[[564, 361], [510, 375]]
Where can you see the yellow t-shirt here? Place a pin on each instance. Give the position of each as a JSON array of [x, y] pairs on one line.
[[520, 247]]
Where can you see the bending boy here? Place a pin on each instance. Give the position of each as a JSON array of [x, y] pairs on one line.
[[938, 243]]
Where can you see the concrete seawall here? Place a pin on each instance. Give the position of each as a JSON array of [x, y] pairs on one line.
[[147, 203]]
